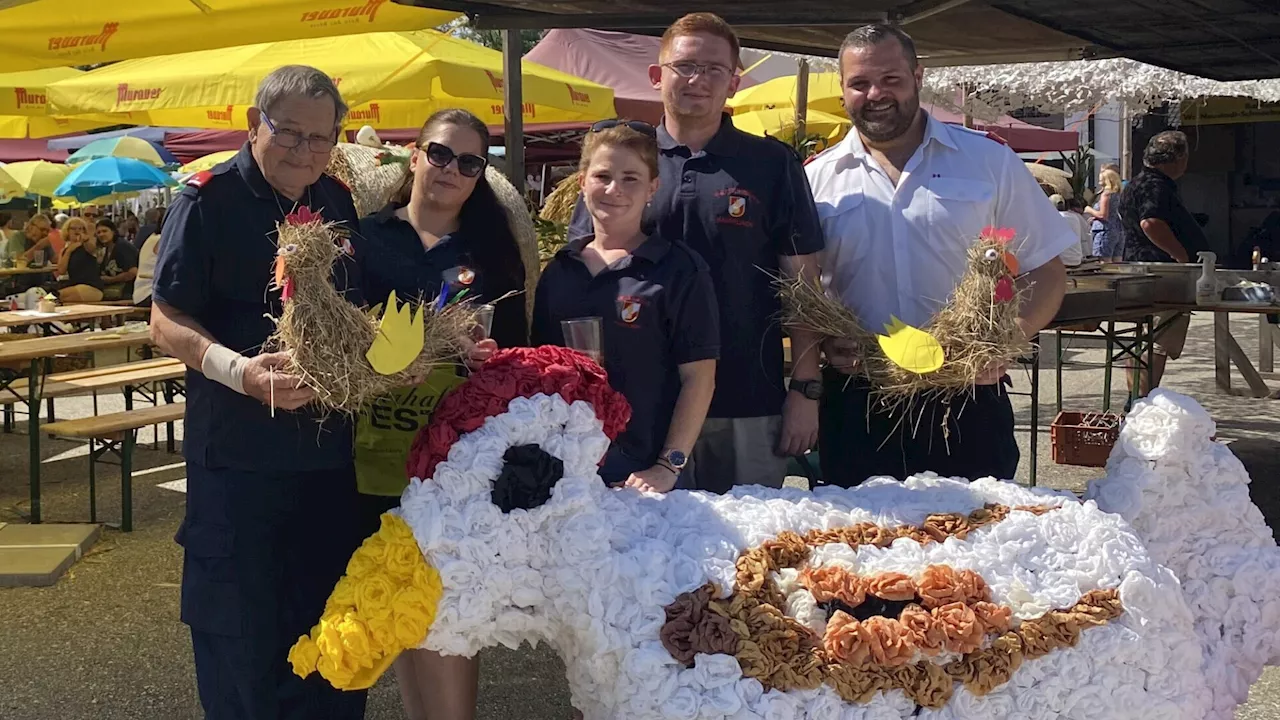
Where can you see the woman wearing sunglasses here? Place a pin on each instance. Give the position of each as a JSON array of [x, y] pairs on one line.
[[444, 233], [659, 327]]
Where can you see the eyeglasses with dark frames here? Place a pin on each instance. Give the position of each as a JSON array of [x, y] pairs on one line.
[[291, 139], [469, 164], [638, 125]]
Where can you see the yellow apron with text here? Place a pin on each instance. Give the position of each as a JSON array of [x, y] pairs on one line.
[[385, 432]]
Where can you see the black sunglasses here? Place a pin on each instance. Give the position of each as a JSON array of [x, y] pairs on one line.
[[637, 125], [469, 164]]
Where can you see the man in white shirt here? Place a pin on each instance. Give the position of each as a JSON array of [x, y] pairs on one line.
[[901, 199]]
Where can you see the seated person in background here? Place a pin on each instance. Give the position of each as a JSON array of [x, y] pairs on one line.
[[119, 262], [1071, 257], [659, 320], [1076, 206], [79, 265], [23, 246], [147, 266]]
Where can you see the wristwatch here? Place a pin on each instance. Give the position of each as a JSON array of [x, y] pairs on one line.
[[811, 389], [673, 459]]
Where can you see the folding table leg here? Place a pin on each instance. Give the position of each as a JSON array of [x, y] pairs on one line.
[[126, 481], [33, 430], [93, 481]]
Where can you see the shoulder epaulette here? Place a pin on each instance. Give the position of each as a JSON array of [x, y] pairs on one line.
[[199, 179]]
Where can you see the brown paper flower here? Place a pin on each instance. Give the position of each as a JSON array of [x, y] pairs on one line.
[[942, 526], [961, 626], [892, 586], [834, 582], [972, 587], [926, 634], [926, 683]]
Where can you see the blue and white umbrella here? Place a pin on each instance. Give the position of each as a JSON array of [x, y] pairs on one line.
[[111, 175]]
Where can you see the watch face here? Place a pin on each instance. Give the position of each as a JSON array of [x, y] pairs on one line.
[[677, 458]]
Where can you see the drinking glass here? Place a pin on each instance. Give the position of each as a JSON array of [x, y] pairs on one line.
[[583, 335], [484, 321]]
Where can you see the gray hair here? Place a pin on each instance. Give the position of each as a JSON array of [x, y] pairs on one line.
[[1168, 147], [877, 33], [298, 80]]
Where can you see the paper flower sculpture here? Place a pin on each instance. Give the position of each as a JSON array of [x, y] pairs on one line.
[[932, 598]]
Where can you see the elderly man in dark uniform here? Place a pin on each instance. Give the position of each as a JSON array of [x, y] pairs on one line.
[[270, 490]]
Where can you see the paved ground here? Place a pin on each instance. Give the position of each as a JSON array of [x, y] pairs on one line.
[[106, 643]]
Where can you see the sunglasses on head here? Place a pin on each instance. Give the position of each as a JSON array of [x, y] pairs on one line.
[[638, 125], [469, 164]]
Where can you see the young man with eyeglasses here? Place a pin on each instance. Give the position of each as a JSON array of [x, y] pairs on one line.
[[270, 522], [743, 204]]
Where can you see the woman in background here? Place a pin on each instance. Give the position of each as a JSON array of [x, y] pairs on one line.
[[79, 265], [445, 233], [147, 266], [1107, 241], [119, 262]]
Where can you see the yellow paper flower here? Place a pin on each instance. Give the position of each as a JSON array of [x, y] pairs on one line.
[[394, 528], [411, 628], [382, 635], [361, 564], [355, 640], [426, 579], [303, 656], [334, 672], [328, 640], [373, 595], [403, 559], [343, 595]]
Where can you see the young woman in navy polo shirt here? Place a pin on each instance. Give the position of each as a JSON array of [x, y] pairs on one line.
[[660, 330], [444, 232]]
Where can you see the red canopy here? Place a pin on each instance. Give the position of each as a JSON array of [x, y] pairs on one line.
[[28, 149], [1021, 136]]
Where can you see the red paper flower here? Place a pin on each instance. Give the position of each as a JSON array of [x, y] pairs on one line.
[[1004, 290], [302, 216], [1001, 235], [509, 374]]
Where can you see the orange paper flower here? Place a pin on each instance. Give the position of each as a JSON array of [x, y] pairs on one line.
[[847, 640], [834, 582], [892, 586], [926, 634], [994, 618], [960, 624], [890, 642]]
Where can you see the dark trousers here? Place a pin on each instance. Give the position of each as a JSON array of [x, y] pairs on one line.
[[857, 440], [263, 552]]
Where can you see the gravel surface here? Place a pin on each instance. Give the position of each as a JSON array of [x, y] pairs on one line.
[[106, 642]]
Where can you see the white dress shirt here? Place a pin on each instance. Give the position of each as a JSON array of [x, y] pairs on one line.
[[901, 250]]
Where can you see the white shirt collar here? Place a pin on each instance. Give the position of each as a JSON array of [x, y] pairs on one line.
[[934, 129]]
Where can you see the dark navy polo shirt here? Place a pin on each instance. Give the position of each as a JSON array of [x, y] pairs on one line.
[[215, 264], [392, 257], [740, 203], [659, 311]]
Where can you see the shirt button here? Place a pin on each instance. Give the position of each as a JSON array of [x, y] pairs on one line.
[[688, 177]]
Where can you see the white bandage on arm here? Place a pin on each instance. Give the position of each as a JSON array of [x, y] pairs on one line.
[[224, 365]]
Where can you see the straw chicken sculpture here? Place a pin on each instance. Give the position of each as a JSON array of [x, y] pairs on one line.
[[975, 329]]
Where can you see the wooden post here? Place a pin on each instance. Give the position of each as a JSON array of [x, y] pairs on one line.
[[802, 100], [513, 107], [1126, 142], [964, 100]]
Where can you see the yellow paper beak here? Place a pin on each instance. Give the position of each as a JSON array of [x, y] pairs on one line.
[[911, 349]]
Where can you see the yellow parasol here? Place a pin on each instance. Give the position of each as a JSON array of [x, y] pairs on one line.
[[207, 162], [38, 177], [49, 33], [24, 112], [8, 184], [780, 93], [781, 124], [391, 80]]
